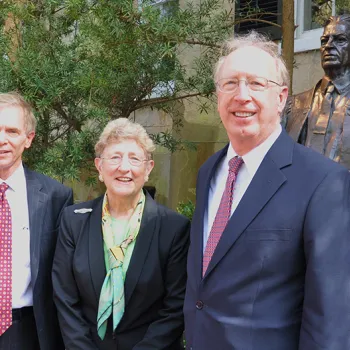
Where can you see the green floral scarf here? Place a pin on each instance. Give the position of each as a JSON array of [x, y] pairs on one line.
[[112, 293]]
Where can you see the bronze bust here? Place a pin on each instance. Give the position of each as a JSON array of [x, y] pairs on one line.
[[320, 118]]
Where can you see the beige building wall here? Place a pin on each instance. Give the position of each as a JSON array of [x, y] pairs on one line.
[[307, 71]]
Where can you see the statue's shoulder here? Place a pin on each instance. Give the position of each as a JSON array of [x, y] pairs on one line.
[[303, 99], [296, 111]]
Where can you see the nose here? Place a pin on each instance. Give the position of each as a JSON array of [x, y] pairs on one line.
[[242, 93], [329, 43], [124, 165], [3, 138]]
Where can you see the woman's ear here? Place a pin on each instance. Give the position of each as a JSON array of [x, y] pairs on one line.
[[149, 168], [98, 165]]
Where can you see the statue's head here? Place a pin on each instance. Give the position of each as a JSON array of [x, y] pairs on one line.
[[335, 43]]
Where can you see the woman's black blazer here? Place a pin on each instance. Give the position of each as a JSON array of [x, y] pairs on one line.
[[154, 285]]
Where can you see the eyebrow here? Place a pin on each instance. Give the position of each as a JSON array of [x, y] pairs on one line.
[[333, 34]]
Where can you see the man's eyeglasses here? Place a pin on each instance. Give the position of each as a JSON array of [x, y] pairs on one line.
[[117, 160], [229, 85]]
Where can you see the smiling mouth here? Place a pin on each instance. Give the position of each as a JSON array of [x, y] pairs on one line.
[[124, 179], [4, 152], [243, 114]]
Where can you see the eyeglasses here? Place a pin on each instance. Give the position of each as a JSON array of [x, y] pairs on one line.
[[117, 160], [229, 85]]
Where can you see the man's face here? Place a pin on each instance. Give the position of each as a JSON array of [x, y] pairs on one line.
[[250, 117], [335, 47], [13, 140]]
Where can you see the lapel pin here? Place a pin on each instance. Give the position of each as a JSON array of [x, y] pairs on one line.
[[82, 210]]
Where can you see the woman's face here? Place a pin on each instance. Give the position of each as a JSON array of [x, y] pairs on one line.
[[125, 179]]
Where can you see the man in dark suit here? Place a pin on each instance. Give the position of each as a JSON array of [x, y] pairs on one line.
[[320, 117], [30, 209], [269, 262]]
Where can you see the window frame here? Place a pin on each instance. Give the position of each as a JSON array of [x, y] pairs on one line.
[[274, 32], [306, 40]]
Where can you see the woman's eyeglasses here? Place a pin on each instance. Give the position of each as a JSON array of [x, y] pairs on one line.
[[117, 160]]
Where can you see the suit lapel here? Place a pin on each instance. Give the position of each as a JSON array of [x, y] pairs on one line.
[[149, 225], [143, 241], [96, 251], [266, 182], [300, 109], [36, 209]]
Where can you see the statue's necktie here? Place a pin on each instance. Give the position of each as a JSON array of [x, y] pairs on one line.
[[223, 213], [320, 129], [5, 261]]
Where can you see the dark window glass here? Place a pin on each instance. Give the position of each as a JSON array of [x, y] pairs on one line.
[[268, 11]]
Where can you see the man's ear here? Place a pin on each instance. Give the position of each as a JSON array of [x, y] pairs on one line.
[[282, 96], [29, 139]]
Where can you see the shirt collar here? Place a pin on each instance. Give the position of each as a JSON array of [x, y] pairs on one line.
[[253, 159], [16, 180], [324, 84], [326, 81]]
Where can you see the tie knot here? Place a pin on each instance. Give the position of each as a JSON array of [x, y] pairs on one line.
[[3, 187], [234, 164]]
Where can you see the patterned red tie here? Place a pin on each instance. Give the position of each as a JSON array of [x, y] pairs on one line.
[[5, 261], [223, 213]]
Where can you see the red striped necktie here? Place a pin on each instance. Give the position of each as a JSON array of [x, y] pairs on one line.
[[224, 212], [5, 261]]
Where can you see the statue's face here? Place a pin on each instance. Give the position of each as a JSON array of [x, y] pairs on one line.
[[335, 46]]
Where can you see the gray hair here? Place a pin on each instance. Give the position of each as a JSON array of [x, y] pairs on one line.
[[123, 129], [260, 41], [13, 99]]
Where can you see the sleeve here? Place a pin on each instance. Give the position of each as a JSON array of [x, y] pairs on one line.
[[168, 329], [68, 200], [74, 328], [326, 308]]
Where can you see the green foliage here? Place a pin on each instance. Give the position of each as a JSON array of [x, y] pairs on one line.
[[342, 6], [81, 63], [186, 209], [322, 9]]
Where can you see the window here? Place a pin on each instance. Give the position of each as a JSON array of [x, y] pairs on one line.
[[166, 7], [259, 15], [309, 16]]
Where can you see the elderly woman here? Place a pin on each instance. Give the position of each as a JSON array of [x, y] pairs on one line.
[[119, 271]]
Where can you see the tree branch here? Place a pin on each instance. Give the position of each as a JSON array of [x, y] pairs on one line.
[[71, 122], [155, 101]]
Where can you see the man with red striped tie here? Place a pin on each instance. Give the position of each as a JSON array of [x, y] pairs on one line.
[[30, 209], [269, 260]]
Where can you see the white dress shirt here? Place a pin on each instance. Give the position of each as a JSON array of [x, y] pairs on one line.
[[16, 194], [252, 161]]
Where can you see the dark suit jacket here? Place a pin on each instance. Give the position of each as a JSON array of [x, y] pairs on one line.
[[280, 276], [154, 286], [46, 199]]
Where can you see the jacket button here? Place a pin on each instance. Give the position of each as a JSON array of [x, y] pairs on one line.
[[199, 305]]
